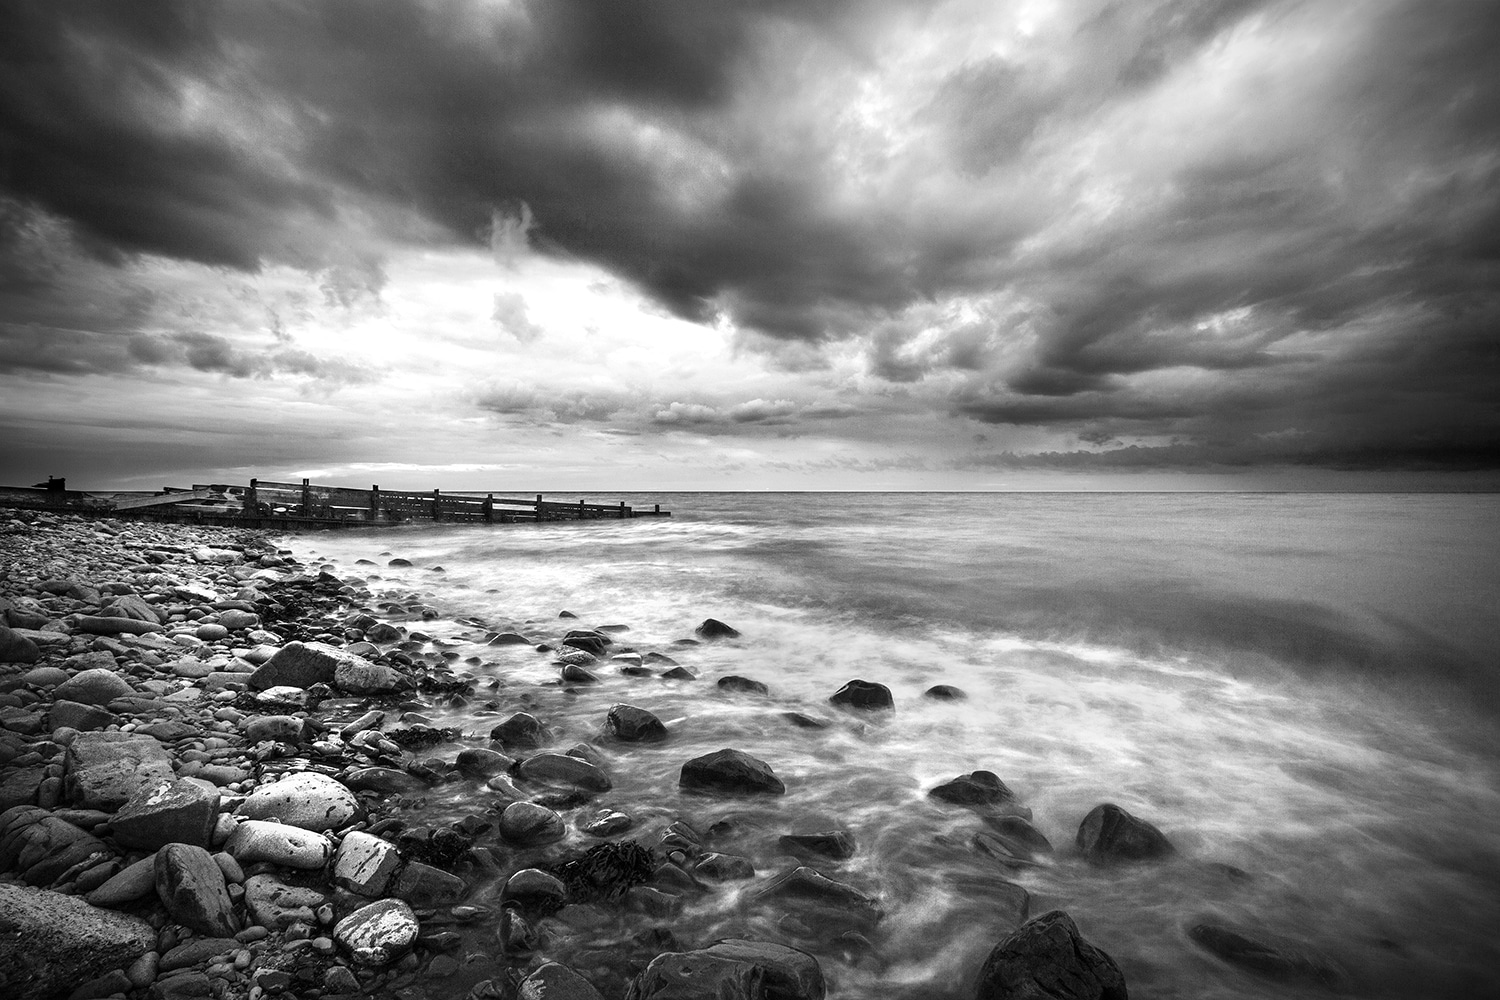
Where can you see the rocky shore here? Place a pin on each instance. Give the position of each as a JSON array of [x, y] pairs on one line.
[[205, 747]]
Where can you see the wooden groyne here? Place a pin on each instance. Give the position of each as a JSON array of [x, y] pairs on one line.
[[268, 504]]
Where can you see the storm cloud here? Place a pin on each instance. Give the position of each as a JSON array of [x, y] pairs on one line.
[[1234, 232]]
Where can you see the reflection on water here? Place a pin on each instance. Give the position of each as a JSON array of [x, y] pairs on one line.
[[1291, 686]]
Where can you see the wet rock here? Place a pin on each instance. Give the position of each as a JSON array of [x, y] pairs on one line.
[[50, 943], [535, 890], [1019, 837], [730, 771], [1109, 834], [731, 970], [130, 606], [634, 725], [181, 811], [593, 643], [679, 674], [528, 824], [384, 779], [1268, 955], [280, 844], [741, 685], [103, 770], [865, 696], [837, 844], [712, 628], [18, 786], [607, 823], [278, 729], [563, 769], [723, 867], [40, 847], [811, 886], [211, 632], [93, 687], [17, 648], [425, 887], [572, 673], [305, 799], [556, 982], [378, 933], [945, 692], [520, 730], [238, 621], [1047, 957], [198, 952], [356, 675], [191, 886], [365, 864], [509, 639], [802, 721], [977, 788], [478, 762]]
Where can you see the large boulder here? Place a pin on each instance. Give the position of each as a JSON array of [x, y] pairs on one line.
[[299, 664], [280, 844], [305, 799], [98, 686], [17, 648], [730, 771], [1047, 957], [130, 606], [104, 770], [357, 675], [191, 886], [40, 847], [529, 824], [377, 933], [634, 725], [51, 943], [864, 695], [1110, 834], [180, 812], [731, 970], [712, 628], [520, 730]]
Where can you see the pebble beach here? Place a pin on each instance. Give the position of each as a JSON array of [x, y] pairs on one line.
[[216, 769]]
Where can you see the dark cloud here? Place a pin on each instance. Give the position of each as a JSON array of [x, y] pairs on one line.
[[1319, 257]]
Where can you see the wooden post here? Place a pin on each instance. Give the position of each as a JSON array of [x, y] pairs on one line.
[[375, 502], [538, 506], [306, 497], [622, 510], [580, 509], [436, 499], [658, 509], [489, 508], [251, 507]]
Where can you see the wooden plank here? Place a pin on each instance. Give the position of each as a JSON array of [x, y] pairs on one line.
[[165, 498]]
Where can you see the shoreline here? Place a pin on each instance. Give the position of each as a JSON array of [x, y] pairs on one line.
[[271, 715]]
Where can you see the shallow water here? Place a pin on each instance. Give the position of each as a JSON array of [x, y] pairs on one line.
[[1299, 686]]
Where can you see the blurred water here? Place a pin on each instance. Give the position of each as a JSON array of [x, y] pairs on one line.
[[1301, 686]]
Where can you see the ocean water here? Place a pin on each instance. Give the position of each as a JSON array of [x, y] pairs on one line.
[[1302, 687]]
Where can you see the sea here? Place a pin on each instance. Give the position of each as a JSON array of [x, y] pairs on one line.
[[1301, 691]]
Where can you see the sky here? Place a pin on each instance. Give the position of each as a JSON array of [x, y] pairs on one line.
[[598, 245]]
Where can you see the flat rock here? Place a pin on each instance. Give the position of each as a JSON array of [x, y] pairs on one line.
[[425, 887], [865, 696], [836, 844], [181, 812], [563, 769], [114, 626], [831, 896], [730, 771], [377, 933], [299, 665], [288, 729], [93, 687], [357, 675], [743, 685], [1110, 834], [40, 847], [50, 943], [18, 786], [133, 882], [1268, 955], [196, 952], [634, 725], [732, 969], [1047, 957], [280, 844], [365, 864], [275, 905], [191, 886], [76, 715], [383, 779], [479, 762], [305, 799], [723, 867], [104, 770]]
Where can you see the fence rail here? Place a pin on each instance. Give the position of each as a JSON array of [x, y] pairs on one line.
[[267, 502]]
